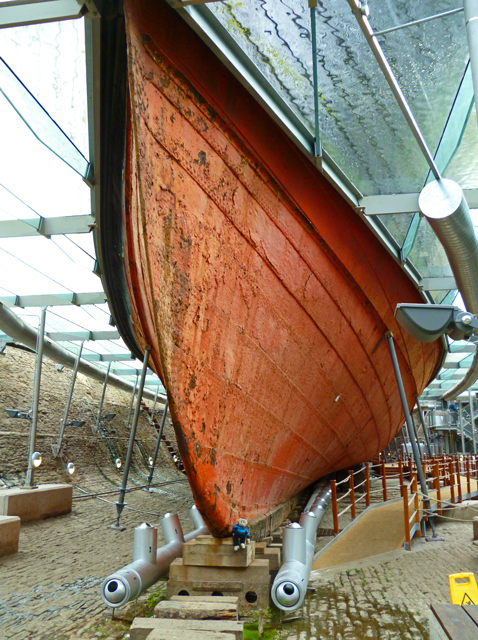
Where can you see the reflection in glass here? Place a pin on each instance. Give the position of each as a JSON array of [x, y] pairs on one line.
[[39, 121]]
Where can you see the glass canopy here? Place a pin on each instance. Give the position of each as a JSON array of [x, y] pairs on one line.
[[368, 147], [44, 137]]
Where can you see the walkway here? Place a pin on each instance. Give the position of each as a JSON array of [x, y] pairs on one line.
[[380, 529]]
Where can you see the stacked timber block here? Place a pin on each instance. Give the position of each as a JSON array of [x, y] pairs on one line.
[[210, 566], [9, 534], [191, 618], [44, 501]]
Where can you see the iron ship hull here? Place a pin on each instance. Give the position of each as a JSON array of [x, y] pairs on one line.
[[263, 294]]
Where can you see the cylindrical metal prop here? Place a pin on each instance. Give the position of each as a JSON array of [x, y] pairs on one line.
[[130, 581], [290, 585]]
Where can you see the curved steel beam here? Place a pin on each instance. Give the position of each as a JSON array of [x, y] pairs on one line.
[[443, 204], [14, 327]]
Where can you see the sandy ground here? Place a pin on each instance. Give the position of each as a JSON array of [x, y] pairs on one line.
[[51, 588]]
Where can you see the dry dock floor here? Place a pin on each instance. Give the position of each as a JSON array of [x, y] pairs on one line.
[[50, 590]]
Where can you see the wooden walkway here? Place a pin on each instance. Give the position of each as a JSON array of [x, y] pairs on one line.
[[377, 530]]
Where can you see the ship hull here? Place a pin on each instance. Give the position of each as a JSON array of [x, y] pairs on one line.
[[264, 296]]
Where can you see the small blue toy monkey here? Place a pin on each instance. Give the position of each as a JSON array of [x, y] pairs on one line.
[[240, 534]]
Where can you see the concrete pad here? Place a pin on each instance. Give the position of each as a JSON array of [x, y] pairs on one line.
[[187, 610], [142, 627], [9, 533], [45, 501]]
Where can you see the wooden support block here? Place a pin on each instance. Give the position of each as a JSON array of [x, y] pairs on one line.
[[142, 627], [257, 571], [271, 554], [187, 610], [9, 534], [216, 552], [188, 634]]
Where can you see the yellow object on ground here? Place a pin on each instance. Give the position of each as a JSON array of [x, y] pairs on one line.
[[463, 588]]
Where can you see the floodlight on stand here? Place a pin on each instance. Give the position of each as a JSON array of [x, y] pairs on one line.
[[70, 468], [75, 423], [36, 459], [24, 415], [118, 463], [428, 322]]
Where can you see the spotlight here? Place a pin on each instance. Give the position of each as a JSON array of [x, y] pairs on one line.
[[150, 461], [70, 468], [118, 463], [36, 459]]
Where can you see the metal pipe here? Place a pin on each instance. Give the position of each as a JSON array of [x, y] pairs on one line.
[[290, 585], [471, 20], [415, 435], [158, 442], [356, 6], [98, 418], [424, 427], [460, 418], [148, 563], [444, 14], [129, 454], [472, 419], [24, 333], [315, 84], [35, 400], [56, 449], [443, 204]]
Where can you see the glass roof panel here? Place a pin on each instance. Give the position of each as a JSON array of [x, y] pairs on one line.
[[428, 255], [464, 166], [398, 225], [361, 125], [49, 58]]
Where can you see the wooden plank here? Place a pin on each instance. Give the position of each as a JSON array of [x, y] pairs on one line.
[[196, 610], [206, 551], [456, 624], [472, 611]]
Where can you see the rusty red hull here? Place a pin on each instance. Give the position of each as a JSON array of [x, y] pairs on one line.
[[264, 296]]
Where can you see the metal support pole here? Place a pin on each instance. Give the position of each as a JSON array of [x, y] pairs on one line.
[[421, 477], [313, 33], [357, 10], [56, 449], [472, 419], [151, 420], [424, 427], [120, 502], [132, 400], [158, 441], [102, 399], [460, 418], [471, 19], [35, 400], [415, 435]]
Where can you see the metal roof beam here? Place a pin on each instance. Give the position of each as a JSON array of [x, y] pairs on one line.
[[46, 227], [438, 284], [108, 357], [20, 13], [53, 300], [403, 203], [80, 336]]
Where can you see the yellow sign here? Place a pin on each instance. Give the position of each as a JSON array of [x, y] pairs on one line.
[[463, 588]]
